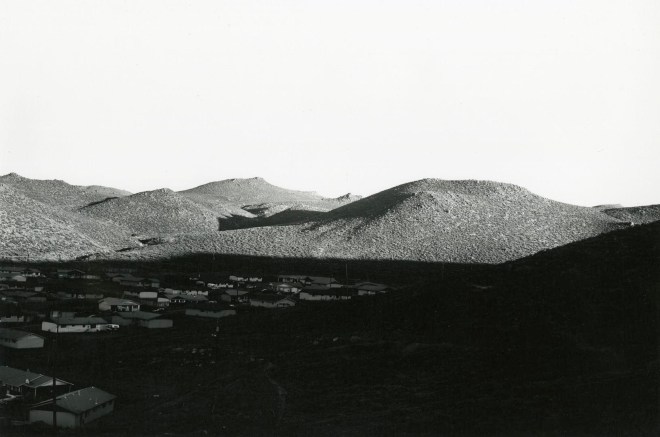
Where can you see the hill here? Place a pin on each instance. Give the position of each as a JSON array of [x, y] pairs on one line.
[[237, 200], [104, 192], [58, 193], [636, 214], [41, 230], [155, 213], [248, 192], [426, 220]]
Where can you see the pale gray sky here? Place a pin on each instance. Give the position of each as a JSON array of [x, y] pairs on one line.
[[561, 97]]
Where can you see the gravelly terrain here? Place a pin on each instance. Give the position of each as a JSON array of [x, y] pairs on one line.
[[59, 193], [155, 213], [29, 227], [636, 214], [427, 220]]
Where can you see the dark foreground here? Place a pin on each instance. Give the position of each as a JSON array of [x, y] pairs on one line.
[[562, 343]]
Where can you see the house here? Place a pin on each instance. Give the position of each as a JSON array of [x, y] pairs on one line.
[[235, 296], [29, 384], [370, 288], [286, 287], [79, 295], [64, 325], [15, 339], [22, 271], [74, 409], [176, 299], [161, 302], [23, 296], [143, 319], [117, 304], [12, 277], [69, 274], [271, 301], [322, 292], [14, 319], [310, 280], [216, 286], [212, 313], [193, 299]]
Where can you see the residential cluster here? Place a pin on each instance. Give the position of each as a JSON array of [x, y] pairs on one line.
[[38, 304]]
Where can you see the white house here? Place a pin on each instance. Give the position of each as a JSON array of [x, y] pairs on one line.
[[286, 287], [15, 339], [76, 324], [74, 409]]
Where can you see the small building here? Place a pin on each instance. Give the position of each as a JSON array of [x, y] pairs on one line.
[[193, 299], [176, 299], [29, 384], [310, 280], [286, 287], [64, 325], [15, 339], [74, 409], [235, 296], [70, 274], [271, 301], [117, 304], [12, 277], [16, 318], [143, 319], [321, 292], [83, 295], [23, 295]]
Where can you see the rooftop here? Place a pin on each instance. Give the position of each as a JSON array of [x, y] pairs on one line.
[[15, 334]]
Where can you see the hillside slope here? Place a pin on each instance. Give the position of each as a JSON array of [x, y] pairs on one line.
[[58, 193], [426, 220], [636, 214], [43, 231], [155, 213], [248, 192], [238, 201]]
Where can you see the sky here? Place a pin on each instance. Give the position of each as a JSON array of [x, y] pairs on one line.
[[561, 97]]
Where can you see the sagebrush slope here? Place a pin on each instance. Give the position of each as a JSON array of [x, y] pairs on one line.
[[426, 220], [42, 231]]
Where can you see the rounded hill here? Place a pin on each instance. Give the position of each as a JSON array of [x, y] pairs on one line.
[[152, 213], [427, 220], [248, 192]]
